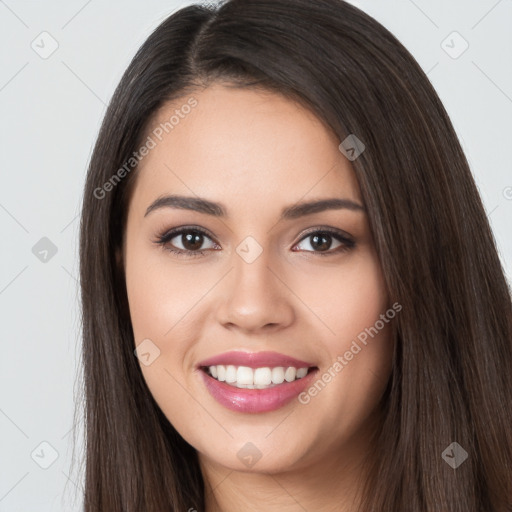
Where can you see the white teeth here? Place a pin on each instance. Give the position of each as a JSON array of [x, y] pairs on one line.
[[230, 373], [221, 373], [290, 373], [244, 375], [262, 376], [257, 378], [278, 375], [301, 372]]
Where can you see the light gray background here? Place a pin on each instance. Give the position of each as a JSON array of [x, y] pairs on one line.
[[50, 112]]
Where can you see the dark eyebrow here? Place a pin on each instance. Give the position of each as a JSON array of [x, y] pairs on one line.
[[302, 209], [218, 210]]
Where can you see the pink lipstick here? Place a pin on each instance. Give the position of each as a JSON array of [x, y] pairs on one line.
[[255, 382], [255, 360]]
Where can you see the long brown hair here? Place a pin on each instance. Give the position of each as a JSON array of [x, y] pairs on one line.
[[451, 379]]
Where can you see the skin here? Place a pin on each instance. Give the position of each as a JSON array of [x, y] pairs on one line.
[[257, 152]]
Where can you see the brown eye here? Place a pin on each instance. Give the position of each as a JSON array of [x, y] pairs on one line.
[[321, 241], [186, 241], [192, 241]]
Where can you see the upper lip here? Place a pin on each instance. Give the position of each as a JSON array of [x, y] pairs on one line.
[[254, 360]]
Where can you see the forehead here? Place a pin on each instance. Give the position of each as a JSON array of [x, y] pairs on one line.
[[242, 146]]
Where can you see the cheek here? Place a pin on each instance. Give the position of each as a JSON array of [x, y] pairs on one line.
[[159, 301], [164, 303], [362, 300], [346, 298], [160, 295], [359, 346], [364, 325]]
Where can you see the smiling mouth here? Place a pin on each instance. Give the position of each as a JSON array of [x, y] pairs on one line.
[[256, 378]]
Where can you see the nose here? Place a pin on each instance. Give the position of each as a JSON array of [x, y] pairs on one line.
[[254, 297]]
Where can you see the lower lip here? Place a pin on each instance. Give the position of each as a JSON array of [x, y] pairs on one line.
[[256, 400]]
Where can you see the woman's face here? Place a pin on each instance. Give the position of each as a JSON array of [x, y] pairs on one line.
[[269, 279]]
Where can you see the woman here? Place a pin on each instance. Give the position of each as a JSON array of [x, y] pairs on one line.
[[291, 294]]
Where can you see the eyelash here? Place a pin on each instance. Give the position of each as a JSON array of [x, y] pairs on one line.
[[164, 239]]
